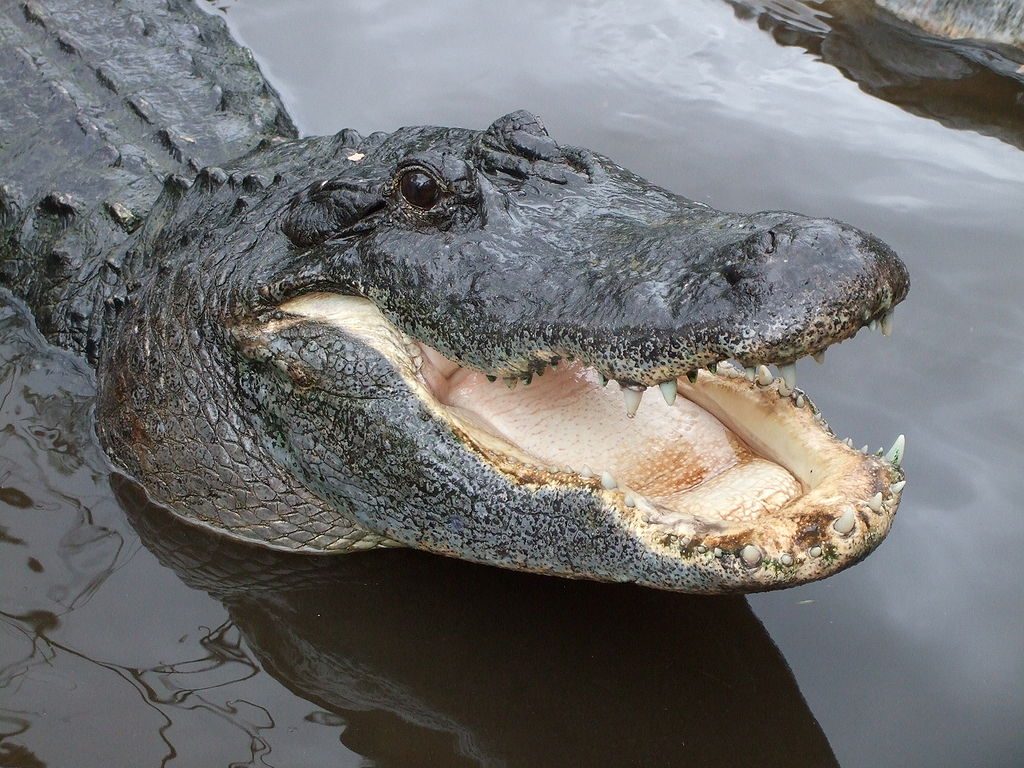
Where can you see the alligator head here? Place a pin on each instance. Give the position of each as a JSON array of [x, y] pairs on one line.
[[409, 339]]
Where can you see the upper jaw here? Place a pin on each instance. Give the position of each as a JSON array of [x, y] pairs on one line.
[[657, 320]]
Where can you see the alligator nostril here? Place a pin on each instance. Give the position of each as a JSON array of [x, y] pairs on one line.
[[732, 274]]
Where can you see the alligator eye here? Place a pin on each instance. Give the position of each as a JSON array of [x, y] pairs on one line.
[[420, 189]]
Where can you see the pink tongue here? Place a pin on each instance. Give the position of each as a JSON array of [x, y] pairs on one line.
[[567, 419]]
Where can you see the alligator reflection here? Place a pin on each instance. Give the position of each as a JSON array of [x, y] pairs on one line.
[[961, 84], [434, 661]]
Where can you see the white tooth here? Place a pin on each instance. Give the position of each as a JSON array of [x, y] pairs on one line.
[[788, 373], [886, 323], [668, 391], [895, 454], [819, 357], [800, 400], [608, 482], [764, 376], [717, 552], [814, 551], [864, 449], [898, 486], [786, 559], [873, 325], [629, 499], [849, 442], [751, 372], [587, 472], [845, 522], [784, 389], [875, 502], [632, 398]]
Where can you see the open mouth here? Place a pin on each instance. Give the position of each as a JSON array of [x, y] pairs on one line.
[[726, 464]]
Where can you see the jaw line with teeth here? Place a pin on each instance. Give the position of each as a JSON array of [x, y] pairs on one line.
[[837, 508]]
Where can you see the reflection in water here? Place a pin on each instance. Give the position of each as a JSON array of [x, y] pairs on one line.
[[432, 661], [961, 84]]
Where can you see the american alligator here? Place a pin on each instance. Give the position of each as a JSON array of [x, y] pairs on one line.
[[341, 343]]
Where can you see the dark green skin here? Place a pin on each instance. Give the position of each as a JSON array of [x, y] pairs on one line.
[[310, 440]]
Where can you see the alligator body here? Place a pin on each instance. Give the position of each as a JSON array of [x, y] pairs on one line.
[[348, 342]]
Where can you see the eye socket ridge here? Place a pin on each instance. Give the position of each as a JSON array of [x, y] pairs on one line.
[[419, 186]]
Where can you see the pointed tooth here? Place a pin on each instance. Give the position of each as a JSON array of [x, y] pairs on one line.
[[713, 367], [669, 391], [511, 381], [819, 357], [608, 482], [692, 376], [845, 523], [587, 472], [800, 400], [886, 324], [873, 325], [751, 372], [898, 486], [604, 380], [864, 449], [629, 499], [764, 376], [895, 454], [788, 373], [875, 502], [632, 398], [491, 378], [849, 442]]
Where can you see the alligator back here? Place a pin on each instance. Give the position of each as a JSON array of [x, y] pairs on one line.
[[100, 103]]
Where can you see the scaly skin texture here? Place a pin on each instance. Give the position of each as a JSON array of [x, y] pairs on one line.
[[244, 416]]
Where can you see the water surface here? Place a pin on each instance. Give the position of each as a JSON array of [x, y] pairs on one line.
[[128, 640]]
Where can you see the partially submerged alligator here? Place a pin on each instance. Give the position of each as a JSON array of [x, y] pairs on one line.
[[339, 343]]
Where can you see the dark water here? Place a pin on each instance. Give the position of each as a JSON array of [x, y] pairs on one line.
[[127, 640]]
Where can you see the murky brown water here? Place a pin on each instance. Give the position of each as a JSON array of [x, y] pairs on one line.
[[127, 640]]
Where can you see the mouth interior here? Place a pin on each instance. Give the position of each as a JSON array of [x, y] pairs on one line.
[[677, 457], [726, 452]]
